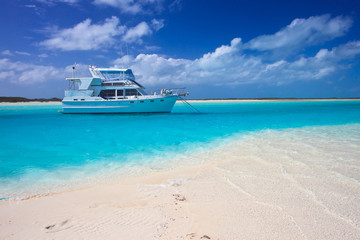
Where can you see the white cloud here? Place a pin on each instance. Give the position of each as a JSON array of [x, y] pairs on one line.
[[231, 64], [303, 32], [7, 53], [88, 36], [53, 2], [154, 69], [26, 73], [127, 6], [38, 74], [176, 5], [157, 24], [228, 65], [133, 6], [275, 65], [43, 55], [85, 36], [349, 50], [136, 33], [235, 64], [7, 74], [23, 53]]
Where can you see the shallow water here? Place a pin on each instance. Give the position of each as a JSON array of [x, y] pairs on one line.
[[43, 151]]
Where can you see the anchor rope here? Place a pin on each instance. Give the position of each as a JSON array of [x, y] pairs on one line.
[[188, 104]]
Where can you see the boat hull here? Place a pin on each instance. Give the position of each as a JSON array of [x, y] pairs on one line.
[[152, 105]]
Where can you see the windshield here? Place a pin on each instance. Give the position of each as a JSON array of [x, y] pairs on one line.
[[118, 75]]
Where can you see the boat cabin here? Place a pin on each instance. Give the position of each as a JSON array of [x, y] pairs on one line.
[[106, 84]]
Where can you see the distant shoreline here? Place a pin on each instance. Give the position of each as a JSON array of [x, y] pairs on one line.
[[29, 103], [23, 99], [210, 100]]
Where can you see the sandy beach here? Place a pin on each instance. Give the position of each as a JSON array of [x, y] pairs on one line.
[[270, 186], [28, 103]]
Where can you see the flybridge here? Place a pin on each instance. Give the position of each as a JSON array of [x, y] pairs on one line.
[[107, 74], [114, 75]]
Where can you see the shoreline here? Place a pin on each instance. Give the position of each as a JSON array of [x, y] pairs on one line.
[[28, 103], [239, 189], [201, 101]]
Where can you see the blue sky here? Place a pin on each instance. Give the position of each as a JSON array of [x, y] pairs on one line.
[[217, 49]]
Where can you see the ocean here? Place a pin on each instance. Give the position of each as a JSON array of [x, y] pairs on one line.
[[43, 151]]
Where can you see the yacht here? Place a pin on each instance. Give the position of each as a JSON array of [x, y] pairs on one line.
[[111, 90]]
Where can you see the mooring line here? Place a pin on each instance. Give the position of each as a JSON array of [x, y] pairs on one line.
[[191, 106]]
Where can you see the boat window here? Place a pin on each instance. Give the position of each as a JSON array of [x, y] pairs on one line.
[[131, 101], [161, 100], [118, 84], [107, 93], [141, 101], [141, 91], [131, 92], [120, 93], [151, 100]]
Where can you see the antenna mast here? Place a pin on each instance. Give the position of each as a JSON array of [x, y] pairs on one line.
[[73, 75]]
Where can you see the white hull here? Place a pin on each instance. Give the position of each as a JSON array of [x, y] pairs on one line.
[[138, 105]]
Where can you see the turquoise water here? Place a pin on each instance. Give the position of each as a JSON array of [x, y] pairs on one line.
[[41, 148]]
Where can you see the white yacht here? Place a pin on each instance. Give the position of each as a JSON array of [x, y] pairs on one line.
[[112, 90]]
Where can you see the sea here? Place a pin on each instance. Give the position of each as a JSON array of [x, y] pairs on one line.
[[43, 151]]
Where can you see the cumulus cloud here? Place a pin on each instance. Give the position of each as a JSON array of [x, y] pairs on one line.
[[134, 34], [26, 73], [228, 65], [303, 32], [235, 64], [88, 36], [133, 6], [153, 69], [85, 36]]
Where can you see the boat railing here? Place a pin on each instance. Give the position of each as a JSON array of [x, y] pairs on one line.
[[170, 91]]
